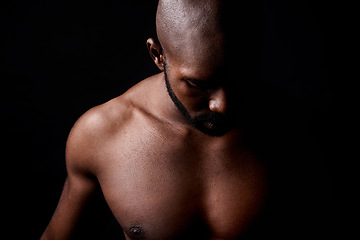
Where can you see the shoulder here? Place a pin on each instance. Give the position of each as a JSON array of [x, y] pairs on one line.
[[99, 127], [93, 131], [100, 120]]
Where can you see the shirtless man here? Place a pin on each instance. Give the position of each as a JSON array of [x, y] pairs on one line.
[[168, 154]]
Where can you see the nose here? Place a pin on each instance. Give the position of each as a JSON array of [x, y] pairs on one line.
[[218, 101]]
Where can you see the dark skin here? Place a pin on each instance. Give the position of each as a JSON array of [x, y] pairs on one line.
[[163, 176]]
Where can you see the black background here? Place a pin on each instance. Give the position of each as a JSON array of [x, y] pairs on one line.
[[61, 57]]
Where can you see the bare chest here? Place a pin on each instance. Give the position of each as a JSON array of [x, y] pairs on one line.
[[176, 192]]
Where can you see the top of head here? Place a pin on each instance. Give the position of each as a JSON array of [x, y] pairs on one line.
[[200, 32]]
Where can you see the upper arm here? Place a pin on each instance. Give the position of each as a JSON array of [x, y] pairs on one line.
[[81, 160]]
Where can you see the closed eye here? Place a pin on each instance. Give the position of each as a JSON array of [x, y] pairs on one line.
[[196, 84], [192, 85]]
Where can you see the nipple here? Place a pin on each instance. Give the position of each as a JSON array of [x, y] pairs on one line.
[[136, 231]]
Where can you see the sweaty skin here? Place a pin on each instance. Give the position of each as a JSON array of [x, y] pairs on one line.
[[161, 176]]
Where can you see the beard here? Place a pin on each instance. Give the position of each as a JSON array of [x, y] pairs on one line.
[[212, 124]]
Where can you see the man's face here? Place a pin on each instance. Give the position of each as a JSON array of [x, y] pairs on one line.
[[193, 98]]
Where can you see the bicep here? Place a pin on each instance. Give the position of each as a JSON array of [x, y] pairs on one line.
[[81, 183], [79, 186], [75, 195]]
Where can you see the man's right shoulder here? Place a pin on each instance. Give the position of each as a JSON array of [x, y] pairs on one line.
[[116, 113], [99, 127], [94, 129], [103, 120]]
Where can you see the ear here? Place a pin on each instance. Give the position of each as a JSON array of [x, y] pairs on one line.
[[156, 52]]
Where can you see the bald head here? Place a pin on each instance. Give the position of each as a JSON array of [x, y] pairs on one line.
[[186, 13], [199, 32], [187, 27]]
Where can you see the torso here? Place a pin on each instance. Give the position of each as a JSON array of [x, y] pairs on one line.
[[164, 182]]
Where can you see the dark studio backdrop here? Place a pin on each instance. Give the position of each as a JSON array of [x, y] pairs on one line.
[[59, 58]]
